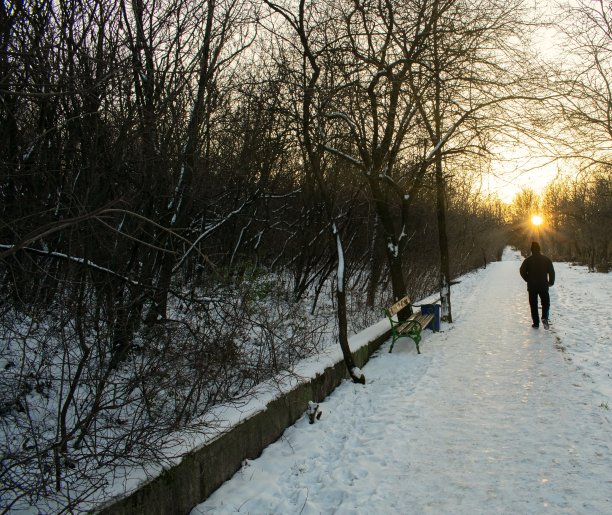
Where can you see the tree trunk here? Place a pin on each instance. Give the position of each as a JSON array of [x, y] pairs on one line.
[[375, 268], [393, 249], [353, 371], [445, 279], [314, 151]]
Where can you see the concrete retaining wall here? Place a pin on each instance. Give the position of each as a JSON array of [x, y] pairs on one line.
[[179, 489]]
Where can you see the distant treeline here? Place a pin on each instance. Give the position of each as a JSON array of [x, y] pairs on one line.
[[577, 218]]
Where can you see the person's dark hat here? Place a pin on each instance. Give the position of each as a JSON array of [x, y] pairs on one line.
[[535, 247]]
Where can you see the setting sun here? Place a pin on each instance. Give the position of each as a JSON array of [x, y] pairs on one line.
[[537, 220]]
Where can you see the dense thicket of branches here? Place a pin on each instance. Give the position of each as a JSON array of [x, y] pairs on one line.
[[579, 212], [578, 217], [164, 243], [580, 208], [577, 204]]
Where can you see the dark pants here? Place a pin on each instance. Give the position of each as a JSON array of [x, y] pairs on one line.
[[533, 304]]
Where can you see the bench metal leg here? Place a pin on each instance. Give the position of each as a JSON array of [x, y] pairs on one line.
[[416, 337]]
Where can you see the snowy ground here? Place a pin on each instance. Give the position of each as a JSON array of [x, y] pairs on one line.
[[492, 417]]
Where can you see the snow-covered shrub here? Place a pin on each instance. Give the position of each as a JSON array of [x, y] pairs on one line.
[[79, 404]]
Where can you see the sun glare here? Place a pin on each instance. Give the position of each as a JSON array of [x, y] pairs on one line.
[[537, 220]]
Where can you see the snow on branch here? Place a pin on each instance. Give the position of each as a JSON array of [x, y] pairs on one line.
[[376, 77], [81, 261], [345, 117], [340, 258], [404, 236], [211, 229], [155, 224], [343, 155], [284, 195], [51, 228]]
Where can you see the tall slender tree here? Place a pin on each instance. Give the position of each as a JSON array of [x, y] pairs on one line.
[[311, 133]]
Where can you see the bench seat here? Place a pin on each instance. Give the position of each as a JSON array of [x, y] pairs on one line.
[[410, 327]]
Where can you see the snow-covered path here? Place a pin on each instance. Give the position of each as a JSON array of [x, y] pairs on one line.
[[490, 418], [507, 429]]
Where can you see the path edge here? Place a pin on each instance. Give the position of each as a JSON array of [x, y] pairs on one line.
[[179, 489]]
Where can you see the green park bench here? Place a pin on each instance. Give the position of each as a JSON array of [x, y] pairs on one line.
[[410, 327]]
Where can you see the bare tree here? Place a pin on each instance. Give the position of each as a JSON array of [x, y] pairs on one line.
[[310, 131], [160, 165], [578, 214], [106, 104], [584, 81], [373, 113], [474, 69]]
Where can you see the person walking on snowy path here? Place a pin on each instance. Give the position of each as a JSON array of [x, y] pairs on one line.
[[538, 271]]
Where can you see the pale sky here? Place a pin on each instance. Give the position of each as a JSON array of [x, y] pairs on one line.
[[522, 169], [519, 171], [510, 182]]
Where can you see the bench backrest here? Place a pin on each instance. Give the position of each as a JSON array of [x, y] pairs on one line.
[[398, 306]]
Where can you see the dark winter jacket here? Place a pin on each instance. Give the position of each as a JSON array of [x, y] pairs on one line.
[[538, 272]]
